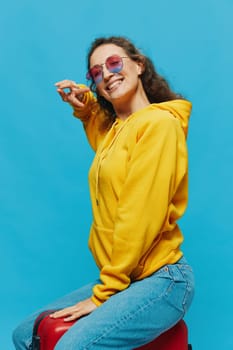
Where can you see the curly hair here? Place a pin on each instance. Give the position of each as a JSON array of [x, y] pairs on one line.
[[156, 87]]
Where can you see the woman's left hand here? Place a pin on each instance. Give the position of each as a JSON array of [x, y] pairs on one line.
[[76, 311]]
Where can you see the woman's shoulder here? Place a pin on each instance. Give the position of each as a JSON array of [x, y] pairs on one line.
[[154, 116], [170, 115]]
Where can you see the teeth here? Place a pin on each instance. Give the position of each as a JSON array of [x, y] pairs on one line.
[[115, 83]]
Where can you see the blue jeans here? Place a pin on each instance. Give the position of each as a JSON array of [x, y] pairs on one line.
[[129, 319]]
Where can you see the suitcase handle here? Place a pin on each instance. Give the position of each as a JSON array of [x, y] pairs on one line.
[[35, 345]]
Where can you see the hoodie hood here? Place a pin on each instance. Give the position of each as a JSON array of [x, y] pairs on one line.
[[180, 109]]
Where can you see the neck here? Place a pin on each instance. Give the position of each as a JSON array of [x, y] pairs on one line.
[[125, 107]]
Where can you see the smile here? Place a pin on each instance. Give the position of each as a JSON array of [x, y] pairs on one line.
[[113, 85]]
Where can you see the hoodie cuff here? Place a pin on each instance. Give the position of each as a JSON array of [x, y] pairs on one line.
[[89, 100], [96, 301]]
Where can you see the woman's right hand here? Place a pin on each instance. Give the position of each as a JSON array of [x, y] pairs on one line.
[[70, 92]]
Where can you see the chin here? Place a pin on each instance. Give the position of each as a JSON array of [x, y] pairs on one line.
[[119, 94], [114, 96]]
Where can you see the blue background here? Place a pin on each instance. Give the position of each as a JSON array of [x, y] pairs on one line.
[[44, 157]]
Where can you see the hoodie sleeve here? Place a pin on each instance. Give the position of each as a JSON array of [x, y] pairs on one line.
[[92, 117], [156, 167]]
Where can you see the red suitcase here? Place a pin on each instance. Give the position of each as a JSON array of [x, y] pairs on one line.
[[47, 331]]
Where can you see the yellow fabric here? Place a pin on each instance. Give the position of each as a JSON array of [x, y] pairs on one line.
[[138, 185], [92, 116]]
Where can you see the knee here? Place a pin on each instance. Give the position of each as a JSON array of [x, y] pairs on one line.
[[16, 336], [19, 338]]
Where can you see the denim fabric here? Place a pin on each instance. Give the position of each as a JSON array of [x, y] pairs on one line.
[[129, 318]]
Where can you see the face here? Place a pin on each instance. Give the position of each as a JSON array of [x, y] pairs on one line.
[[116, 84]]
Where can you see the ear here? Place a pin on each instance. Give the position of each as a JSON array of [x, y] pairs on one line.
[[140, 67]]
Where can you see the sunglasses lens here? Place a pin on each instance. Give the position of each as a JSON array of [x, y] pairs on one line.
[[95, 73], [114, 64]]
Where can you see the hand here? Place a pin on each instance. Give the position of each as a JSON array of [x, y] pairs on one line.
[[75, 94], [76, 311]]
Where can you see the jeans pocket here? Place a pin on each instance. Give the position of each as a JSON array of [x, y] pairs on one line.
[[188, 276], [180, 293]]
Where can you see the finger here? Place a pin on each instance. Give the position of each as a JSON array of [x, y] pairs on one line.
[[74, 101], [81, 90], [61, 92], [73, 317], [63, 95], [66, 84], [77, 313], [64, 81], [62, 313]]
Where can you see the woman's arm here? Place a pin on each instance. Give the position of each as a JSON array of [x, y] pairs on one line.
[[86, 108]]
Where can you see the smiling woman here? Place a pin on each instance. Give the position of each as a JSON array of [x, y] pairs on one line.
[[124, 85], [138, 185]]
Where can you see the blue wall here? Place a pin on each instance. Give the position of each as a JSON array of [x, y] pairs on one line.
[[44, 157]]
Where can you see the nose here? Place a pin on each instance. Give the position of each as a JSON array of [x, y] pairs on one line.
[[106, 73]]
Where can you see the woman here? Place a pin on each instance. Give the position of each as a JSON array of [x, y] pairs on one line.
[[138, 184]]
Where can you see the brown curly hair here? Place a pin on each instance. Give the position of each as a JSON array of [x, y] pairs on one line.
[[156, 87]]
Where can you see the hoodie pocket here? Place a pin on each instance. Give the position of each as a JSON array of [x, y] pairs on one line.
[[100, 244]]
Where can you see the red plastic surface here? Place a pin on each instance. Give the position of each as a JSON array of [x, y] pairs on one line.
[[175, 338], [50, 330]]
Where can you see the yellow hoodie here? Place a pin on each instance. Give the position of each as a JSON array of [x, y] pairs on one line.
[[138, 186]]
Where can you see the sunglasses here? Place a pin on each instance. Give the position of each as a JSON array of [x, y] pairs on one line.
[[114, 64]]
